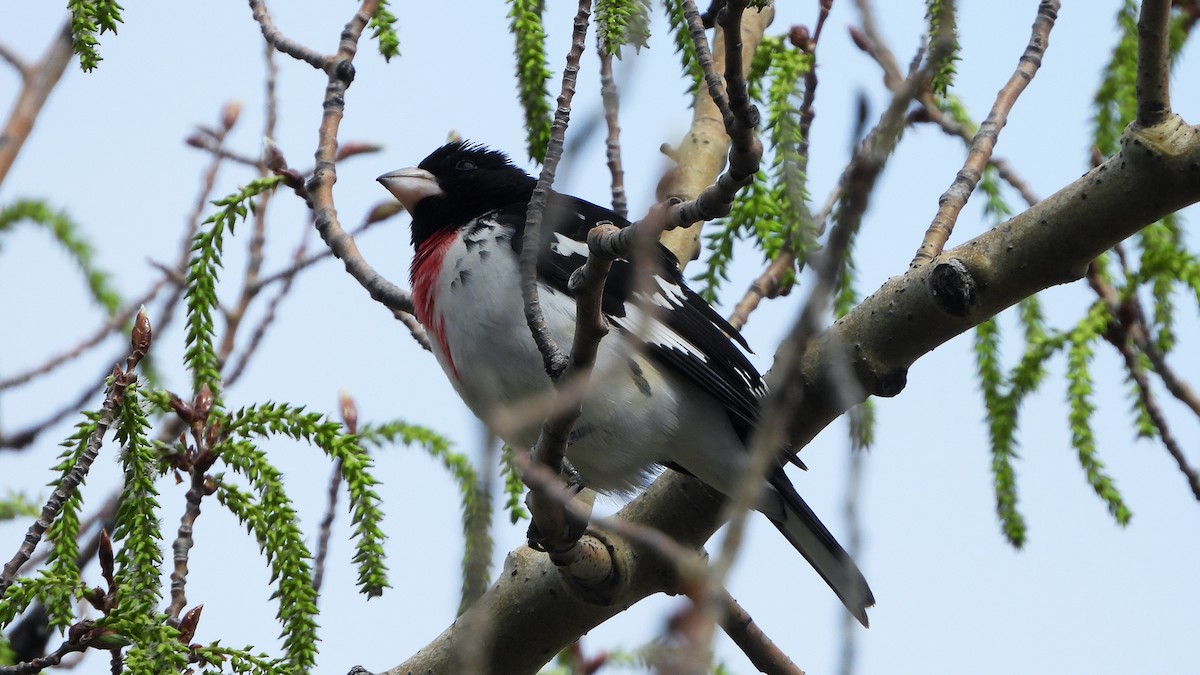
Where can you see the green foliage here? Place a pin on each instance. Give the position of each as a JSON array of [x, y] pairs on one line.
[[684, 46], [773, 210], [1079, 395], [525, 23], [136, 535], [16, 505], [383, 28], [201, 295], [514, 487], [367, 516], [622, 22], [66, 232], [274, 524], [90, 18], [943, 72], [476, 512], [63, 533], [1115, 102]]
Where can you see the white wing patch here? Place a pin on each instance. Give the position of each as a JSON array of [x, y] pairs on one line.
[[566, 246], [651, 330]]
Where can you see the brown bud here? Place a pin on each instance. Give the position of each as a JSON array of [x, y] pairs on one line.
[[142, 335], [230, 114], [212, 434], [210, 485], [273, 156], [860, 39], [203, 403], [800, 38], [384, 210], [77, 631], [181, 408], [353, 148], [349, 412], [187, 625], [105, 553], [197, 141]]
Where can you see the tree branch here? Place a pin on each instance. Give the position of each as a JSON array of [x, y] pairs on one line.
[[702, 153], [955, 198], [37, 81], [1154, 63]]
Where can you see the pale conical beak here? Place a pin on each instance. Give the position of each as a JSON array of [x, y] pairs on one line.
[[410, 186]]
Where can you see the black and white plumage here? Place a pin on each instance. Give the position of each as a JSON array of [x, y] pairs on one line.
[[672, 383]]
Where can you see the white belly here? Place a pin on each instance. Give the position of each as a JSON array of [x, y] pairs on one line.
[[628, 412]]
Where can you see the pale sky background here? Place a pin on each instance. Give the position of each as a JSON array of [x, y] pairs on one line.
[[1083, 596]]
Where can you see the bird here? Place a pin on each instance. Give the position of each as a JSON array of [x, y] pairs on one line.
[[672, 386]]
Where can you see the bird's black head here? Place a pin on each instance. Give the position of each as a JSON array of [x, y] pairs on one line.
[[456, 183]]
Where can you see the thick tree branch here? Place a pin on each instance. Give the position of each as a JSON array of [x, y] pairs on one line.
[[1157, 172]]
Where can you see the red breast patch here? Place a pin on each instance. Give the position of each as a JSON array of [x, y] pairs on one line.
[[426, 266]]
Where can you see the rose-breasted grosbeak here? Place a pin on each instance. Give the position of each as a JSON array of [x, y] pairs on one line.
[[671, 386]]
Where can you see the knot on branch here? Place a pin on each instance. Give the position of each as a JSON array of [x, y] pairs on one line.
[[344, 71], [953, 287]]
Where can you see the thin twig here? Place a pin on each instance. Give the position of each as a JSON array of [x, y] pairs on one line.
[[754, 643], [48, 661], [326, 528], [340, 68], [955, 198], [769, 284], [278, 40], [612, 143], [16, 61], [739, 116], [1154, 63], [553, 359], [550, 519], [24, 437], [1125, 333], [107, 328]]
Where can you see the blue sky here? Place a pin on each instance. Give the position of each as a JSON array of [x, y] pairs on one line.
[[1083, 596]]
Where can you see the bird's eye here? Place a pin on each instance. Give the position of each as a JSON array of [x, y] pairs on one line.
[[465, 165]]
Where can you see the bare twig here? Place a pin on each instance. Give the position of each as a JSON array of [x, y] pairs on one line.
[[43, 662], [703, 152], [612, 143], [37, 81], [24, 437], [278, 40], [754, 643], [1154, 63], [108, 327], [955, 198], [340, 68], [550, 519], [1130, 328], [738, 115], [552, 358], [326, 530], [769, 284]]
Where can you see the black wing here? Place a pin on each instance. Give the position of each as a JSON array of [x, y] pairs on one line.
[[674, 323]]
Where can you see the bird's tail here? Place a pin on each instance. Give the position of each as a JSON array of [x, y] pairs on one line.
[[813, 540]]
